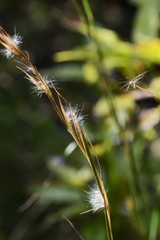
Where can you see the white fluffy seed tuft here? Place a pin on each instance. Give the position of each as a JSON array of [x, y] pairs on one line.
[[40, 87], [17, 39], [13, 43], [74, 115], [95, 199], [7, 53], [133, 82]]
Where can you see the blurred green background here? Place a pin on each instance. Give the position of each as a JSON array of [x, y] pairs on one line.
[[42, 173]]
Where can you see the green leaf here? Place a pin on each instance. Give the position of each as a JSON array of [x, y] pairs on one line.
[[124, 105], [149, 51], [146, 24], [58, 194]]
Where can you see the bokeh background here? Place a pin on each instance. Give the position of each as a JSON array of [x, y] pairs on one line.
[[42, 173]]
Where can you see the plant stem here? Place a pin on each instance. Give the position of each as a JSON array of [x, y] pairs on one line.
[[134, 184]]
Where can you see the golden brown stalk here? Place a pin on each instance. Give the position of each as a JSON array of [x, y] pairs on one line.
[[70, 116]]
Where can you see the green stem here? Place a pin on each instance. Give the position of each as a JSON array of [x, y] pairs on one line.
[[134, 183]]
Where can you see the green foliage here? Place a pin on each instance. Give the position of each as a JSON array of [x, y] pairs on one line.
[[146, 24]]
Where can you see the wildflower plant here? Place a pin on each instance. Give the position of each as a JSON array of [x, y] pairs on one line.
[[70, 116]]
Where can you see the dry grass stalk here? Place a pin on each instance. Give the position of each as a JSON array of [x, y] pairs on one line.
[[70, 116]]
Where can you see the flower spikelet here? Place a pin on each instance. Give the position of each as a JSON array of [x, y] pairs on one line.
[[133, 82], [11, 44], [95, 199], [74, 115], [40, 87]]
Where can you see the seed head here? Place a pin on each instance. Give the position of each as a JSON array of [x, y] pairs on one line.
[[95, 199], [74, 115], [40, 87], [133, 82], [17, 39], [7, 53], [11, 44]]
